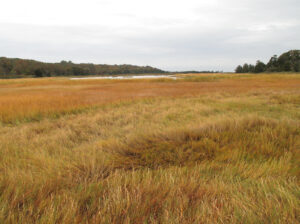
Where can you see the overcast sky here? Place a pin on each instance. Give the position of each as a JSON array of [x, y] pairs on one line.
[[168, 34]]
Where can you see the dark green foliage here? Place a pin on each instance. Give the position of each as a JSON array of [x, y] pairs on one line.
[[259, 67], [39, 72], [245, 68], [251, 68], [290, 61], [29, 68], [287, 62], [239, 69], [273, 64]]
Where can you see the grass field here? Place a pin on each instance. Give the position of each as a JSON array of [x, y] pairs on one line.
[[205, 148]]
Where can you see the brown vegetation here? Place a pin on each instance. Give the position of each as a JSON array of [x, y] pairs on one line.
[[33, 99], [200, 149]]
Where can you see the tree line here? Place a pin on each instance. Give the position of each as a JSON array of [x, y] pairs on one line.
[[15, 67], [287, 62]]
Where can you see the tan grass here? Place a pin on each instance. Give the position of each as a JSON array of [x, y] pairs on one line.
[[33, 99], [189, 151]]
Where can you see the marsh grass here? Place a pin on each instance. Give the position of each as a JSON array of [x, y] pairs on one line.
[[207, 143], [223, 155], [27, 100]]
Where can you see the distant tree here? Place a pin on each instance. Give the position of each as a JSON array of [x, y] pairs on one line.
[[272, 65], [289, 61], [245, 68], [251, 68], [273, 61], [6, 65], [2, 72], [79, 71], [39, 72], [19, 67], [259, 67], [239, 69]]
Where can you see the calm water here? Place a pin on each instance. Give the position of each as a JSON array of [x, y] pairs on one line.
[[127, 77]]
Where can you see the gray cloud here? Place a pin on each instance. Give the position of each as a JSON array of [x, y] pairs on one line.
[[216, 37]]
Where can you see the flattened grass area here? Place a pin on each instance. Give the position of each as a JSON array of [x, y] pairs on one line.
[[199, 149]]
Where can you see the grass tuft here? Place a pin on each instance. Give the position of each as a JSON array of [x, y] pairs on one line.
[[248, 139]]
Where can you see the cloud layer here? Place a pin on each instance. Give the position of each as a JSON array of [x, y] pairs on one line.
[[172, 35]]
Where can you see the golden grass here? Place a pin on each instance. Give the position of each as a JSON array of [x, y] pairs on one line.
[[33, 99], [151, 151]]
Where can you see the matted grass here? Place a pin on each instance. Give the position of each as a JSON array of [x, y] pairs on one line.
[[151, 151]]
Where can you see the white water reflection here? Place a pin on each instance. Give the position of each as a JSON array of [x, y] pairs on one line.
[[128, 77]]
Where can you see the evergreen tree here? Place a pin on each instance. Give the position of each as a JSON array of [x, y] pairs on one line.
[[287, 62], [245, 68], [259, 67], [239, 69]]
